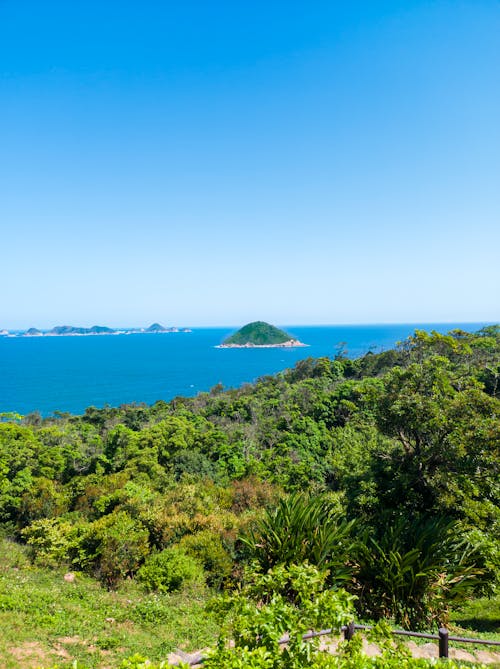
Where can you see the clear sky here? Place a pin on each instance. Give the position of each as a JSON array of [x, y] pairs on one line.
[[212, 163]]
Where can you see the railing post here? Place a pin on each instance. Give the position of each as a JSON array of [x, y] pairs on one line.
[[443, 642], [349, 631]]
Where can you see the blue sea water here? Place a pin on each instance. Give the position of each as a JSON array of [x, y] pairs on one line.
[[48, 374]]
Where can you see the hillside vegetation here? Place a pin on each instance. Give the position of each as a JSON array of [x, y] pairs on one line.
[[258, 334], [380, 474]]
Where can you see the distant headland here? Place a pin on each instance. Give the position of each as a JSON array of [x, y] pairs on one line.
[[95, 330], [260, 335]]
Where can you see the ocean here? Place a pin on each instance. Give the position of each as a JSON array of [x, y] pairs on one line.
[[68, 374]]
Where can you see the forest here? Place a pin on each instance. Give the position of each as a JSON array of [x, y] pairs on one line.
[[368, 487]]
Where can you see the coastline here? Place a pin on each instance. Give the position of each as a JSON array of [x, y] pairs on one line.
[[66, 374], [291, 343], [25, 335]]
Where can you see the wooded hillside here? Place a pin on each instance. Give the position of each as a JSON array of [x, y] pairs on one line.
[[383, 470]]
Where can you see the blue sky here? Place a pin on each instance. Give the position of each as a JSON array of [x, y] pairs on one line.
[[213, 163]]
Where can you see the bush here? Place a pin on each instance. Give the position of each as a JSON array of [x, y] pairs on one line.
[[286, 600], [250, 493], [170, 570], [414, 572], [51, 541], [263, 613], [192, 462], [206, 546], [299, 529], [113, 547]]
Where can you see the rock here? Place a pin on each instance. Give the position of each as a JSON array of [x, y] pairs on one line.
[[459, 654]]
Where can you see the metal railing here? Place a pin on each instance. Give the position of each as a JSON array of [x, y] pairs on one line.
[[443, 637]]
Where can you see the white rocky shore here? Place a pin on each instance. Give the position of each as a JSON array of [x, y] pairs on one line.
[[291, 343]]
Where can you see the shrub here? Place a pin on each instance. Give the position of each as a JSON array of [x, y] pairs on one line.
[[207, 548], [44, 499], [170, 570], [113, 547], [50, 540], [250, 493], [192, 462], [299, 529], [286, 600], [414, 571]]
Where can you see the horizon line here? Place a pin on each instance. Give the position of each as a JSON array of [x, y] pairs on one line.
[[316, 324]]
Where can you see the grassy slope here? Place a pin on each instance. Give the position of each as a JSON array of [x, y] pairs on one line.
[[480, 615], [44, 620]]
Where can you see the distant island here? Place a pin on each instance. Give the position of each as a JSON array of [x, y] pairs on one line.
[[260, 335], [71, 331]]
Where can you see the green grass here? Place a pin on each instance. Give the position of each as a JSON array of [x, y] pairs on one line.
[[480, 616], [45, 620]]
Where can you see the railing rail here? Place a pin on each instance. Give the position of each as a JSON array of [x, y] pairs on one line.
[[443, 637]]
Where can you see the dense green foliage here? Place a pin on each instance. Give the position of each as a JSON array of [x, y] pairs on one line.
[[258, 334], [284, 600], [289, 602], [303, 530], [169, 570], [383, 470]]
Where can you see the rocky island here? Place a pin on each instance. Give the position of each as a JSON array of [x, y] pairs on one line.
[[71, 331], [260, 335]]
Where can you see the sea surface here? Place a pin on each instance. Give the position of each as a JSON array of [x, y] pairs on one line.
[[48, 374]]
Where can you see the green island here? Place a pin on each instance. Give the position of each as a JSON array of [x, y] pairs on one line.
[[341, 489], [260, 335], [95, 330]]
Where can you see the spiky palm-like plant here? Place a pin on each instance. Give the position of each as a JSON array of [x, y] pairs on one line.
[[414, 571], [302, 529]]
